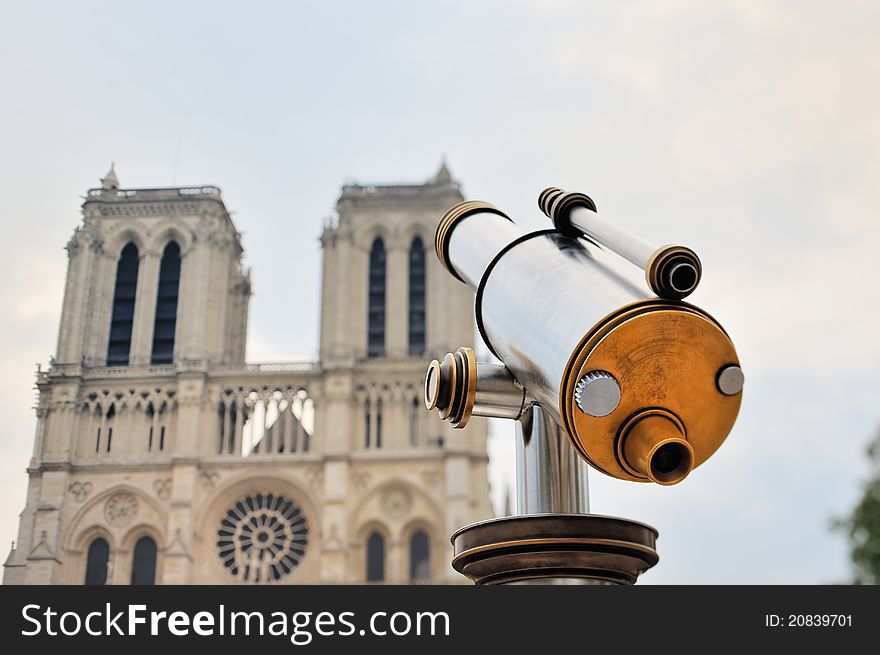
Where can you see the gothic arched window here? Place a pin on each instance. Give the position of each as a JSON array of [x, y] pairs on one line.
[[417, 293], [419, 557], [367, 418], [96, 562], [262, 538], [109, 422], [375, 558], [376, 301], [414, 412], [150, 413], [379, 423], [166, 305], [123, 306], [143, 563]]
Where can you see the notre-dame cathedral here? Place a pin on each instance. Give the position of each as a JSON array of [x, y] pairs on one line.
[[162, 456]]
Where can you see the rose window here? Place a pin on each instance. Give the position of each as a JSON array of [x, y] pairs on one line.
[[262, 538]]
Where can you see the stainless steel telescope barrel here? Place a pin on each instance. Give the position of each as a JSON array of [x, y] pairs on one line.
[[672, 271], [641, 385]]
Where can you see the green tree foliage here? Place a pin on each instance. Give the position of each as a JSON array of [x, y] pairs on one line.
[[862, 527]]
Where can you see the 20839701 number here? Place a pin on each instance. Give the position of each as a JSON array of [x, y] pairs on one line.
[[808, 620]]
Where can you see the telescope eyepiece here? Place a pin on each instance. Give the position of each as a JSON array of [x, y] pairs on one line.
[[653, 446]]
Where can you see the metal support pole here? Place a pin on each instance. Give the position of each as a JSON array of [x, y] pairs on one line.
[[550, 477]]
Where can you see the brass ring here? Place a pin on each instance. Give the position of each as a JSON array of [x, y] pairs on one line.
[[450, 219], [449, 360], [557, 205], [469, 383]]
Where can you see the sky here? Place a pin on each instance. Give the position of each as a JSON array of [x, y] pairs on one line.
[[748, 130]]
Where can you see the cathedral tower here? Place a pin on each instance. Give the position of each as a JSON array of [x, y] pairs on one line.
[[154, 277]]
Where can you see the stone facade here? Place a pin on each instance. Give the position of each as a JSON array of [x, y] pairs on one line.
[[292, 472]]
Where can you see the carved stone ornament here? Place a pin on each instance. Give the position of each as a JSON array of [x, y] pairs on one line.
[[120, 509], [396, 502], [432, 478], [80, 490], [162, 487], [209, 479], [315, 475]]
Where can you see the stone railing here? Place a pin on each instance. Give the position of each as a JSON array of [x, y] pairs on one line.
[[266, 409], [143, 195], [269, 367]]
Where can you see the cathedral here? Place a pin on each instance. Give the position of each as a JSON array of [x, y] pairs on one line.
[[161, 456]]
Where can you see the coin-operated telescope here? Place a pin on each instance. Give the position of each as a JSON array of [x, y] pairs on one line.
[[600, 368]]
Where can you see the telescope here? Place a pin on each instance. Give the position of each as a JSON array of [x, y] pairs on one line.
[[603, 365]]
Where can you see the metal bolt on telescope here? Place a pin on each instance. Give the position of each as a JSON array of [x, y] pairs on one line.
[[597, 371]]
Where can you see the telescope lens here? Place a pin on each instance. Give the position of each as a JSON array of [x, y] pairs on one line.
[[683, 277], [671, 463], [432, 385], [667, 458]]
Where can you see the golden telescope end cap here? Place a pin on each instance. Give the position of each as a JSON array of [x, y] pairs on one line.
[[680, 391]]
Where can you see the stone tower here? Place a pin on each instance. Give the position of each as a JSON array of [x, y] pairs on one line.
[[161, 456]]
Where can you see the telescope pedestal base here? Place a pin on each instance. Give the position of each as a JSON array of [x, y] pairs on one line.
[[554, 549]]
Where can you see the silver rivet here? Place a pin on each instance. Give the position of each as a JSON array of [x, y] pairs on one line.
[[730, 380], [597, 393]]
